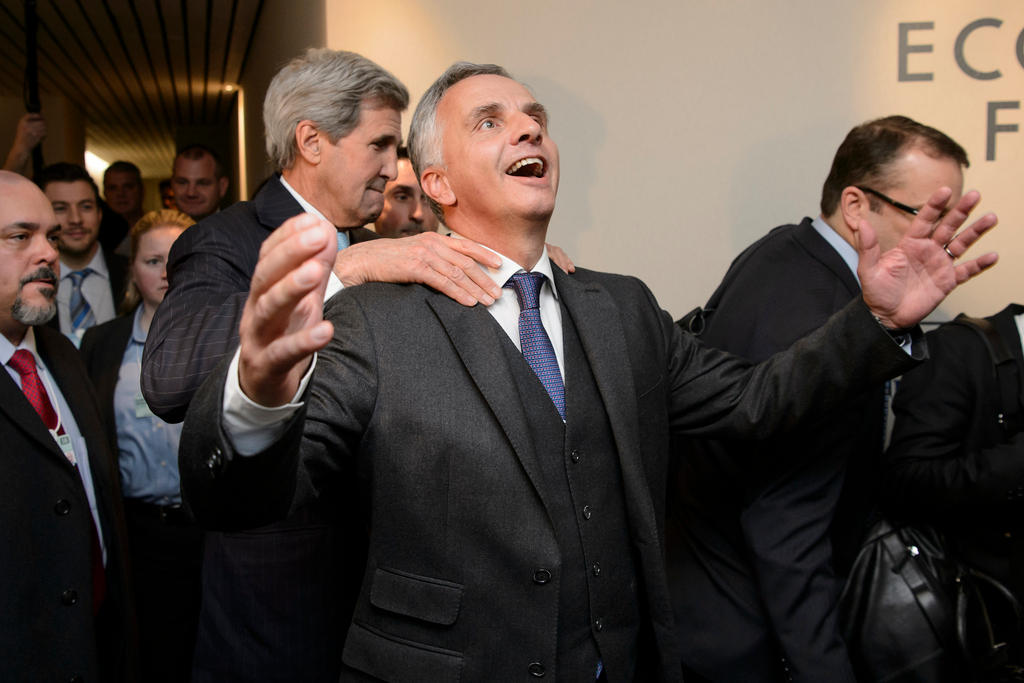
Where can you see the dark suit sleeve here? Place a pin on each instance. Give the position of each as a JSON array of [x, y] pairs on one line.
[[944, 459], [225, 490], [197, 323], [714, 393]]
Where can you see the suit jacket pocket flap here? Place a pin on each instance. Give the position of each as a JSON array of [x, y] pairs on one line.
[[420, 597], [388, 658]]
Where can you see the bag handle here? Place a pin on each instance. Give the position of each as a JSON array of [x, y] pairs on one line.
[[968, 586], [933, 603], [1005, 370]]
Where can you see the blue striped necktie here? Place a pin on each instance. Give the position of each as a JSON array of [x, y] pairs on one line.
[[81, 312], [533, 339]]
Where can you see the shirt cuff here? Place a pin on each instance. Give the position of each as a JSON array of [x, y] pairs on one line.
[[333, 286], [903, 338], [250, 427]]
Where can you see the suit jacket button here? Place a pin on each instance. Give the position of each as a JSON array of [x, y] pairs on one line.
[[598, 625], [62, 507], [76, 678], [587, 512], [537, 670], [213, 462], [69, 597], [541, 576], [575, 455]]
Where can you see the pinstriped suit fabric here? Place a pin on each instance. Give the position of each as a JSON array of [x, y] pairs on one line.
[[271, 608], [209, 270]]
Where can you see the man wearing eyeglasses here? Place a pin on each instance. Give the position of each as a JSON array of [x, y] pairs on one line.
[[761, 534]]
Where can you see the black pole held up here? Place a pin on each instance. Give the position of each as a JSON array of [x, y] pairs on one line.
[[32, 103]]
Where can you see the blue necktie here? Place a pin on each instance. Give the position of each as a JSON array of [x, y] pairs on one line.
[[533, 340], [343, 240], [81, 312]]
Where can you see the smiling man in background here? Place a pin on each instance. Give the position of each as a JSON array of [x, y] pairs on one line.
[[93, 279], [199, 180]]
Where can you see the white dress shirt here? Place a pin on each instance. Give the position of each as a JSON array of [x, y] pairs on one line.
[[333, 283]]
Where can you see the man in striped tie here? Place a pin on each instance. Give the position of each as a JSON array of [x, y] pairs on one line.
[[511, 478], [92, 279]]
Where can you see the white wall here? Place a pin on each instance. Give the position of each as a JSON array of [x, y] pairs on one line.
[[688, 129]]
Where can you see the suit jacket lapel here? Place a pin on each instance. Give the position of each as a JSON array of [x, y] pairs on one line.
[[479, 341], [597, 321], [21, 412], [23, 416], [817, 247], [274, 204], [77, 390]]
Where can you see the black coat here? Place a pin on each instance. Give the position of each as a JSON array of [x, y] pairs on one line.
[[47, 629], [756, 529], [950, 462]]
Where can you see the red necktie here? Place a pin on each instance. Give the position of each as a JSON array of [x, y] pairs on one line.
[[24, 363]]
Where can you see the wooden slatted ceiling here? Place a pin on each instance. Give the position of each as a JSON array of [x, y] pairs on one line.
[[136, 69]]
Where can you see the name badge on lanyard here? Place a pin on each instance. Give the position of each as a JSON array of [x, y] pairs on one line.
[[62, 438], [64, 443], [141, 407]]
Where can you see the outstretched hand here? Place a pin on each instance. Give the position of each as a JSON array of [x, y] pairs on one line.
[[282, 322], [906, 283]]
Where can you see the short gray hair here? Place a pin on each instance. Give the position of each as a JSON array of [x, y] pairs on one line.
[[424, 135], [327, 87]]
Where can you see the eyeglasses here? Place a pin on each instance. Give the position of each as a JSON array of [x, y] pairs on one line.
[[889, 200]]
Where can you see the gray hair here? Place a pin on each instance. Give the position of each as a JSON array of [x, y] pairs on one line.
[[424, 134], [327, 87]]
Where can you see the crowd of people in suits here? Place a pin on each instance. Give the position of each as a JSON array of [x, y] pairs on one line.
[[475, 461]]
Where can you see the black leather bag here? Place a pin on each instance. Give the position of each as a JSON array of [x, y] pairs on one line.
[[911, 612]]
